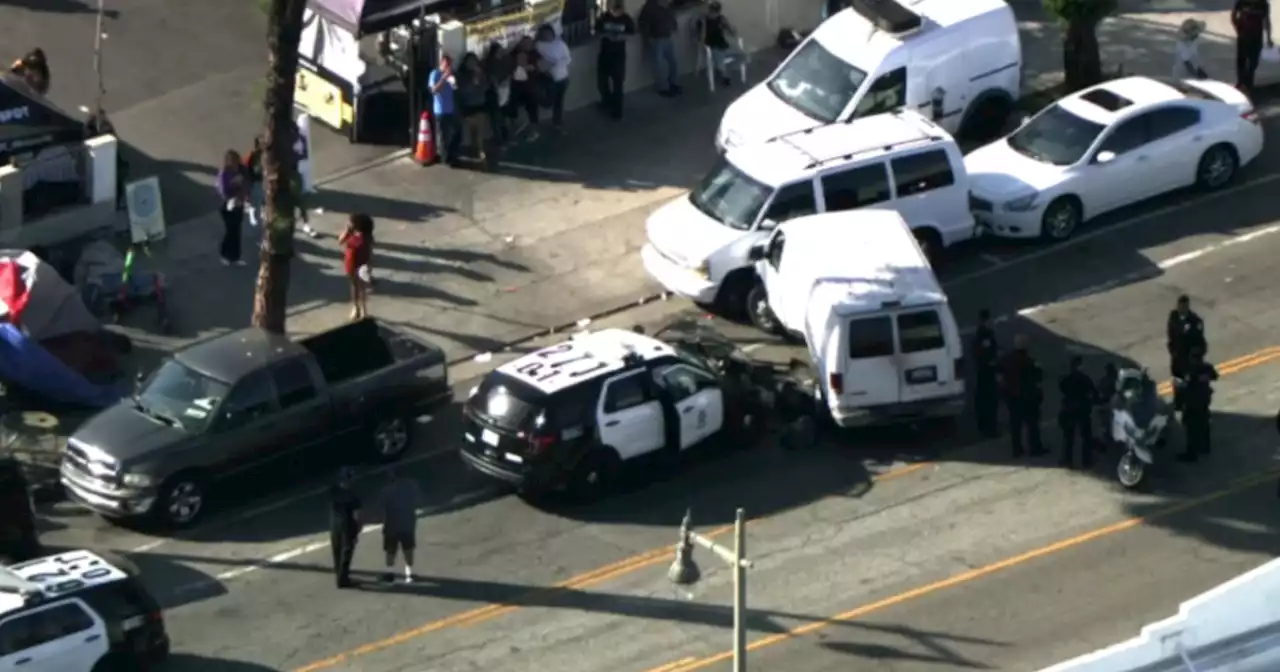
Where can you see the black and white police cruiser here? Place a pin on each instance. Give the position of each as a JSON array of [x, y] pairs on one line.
[[78, 611], [570, 416]]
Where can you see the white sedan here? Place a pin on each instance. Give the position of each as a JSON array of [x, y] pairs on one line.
[[1109, 146]]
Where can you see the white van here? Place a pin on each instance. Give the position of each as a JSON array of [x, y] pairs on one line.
[[881, 55], [698, 243], [859, 290]]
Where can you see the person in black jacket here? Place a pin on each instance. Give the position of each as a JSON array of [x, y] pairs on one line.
[[344, 526], [614, 27], [1021, 382], [1184, 332], [986, 390], [1075, 416]]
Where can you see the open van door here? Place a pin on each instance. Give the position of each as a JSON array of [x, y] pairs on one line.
[[927, 366]]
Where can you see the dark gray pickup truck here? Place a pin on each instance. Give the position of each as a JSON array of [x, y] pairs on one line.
[[246, 401]]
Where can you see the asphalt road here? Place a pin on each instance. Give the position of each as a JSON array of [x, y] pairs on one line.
[[252, 584]]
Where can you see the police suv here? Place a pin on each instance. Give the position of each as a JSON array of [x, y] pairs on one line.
[[78, 612], [572, 415]]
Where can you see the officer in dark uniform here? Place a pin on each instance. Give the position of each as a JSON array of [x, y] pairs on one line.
[[1075, 417], [1197, 395], [344, 526], [1184, 332], [1021, 382], [986, 393]]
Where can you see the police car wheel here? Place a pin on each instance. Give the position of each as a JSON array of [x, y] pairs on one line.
[[595, 474], [182, 500], [391, 438]]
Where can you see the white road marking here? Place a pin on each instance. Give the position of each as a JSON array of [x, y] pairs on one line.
[[992, 259], [949, 284], [281, 558]]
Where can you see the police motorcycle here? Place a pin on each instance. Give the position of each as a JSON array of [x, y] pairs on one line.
[[1141, 423]]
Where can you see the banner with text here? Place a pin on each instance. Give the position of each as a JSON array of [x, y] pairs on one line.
[[508, 29]]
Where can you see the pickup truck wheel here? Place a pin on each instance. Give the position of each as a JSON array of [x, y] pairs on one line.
[[182, 501], [391, 438]]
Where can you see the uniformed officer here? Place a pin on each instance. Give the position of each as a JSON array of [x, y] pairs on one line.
[[1021, 385], [1076, 414], [986, 394], [344, 526], [1197, 395], [1184, 332]]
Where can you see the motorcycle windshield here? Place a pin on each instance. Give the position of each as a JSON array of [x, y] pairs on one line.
[[1143, 404]]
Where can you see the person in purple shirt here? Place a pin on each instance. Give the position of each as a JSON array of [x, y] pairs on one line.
[[231, 191]]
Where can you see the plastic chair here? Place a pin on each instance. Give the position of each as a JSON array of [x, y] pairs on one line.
[[705, 61]]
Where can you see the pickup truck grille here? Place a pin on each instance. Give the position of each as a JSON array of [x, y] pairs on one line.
[[79, 459]]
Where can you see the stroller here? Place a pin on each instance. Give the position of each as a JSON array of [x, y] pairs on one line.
[[113, 286]]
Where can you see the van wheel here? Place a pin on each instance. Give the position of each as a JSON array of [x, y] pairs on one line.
[[595, 474], [1217, 167], [760, 313], [1061, 218], [986, 121], [391, 438], [182, 501], [930, 243]]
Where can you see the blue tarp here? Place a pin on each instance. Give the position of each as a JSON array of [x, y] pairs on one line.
[[25, 363]]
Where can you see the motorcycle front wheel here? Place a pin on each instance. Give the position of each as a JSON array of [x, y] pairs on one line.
[[1130, 470]]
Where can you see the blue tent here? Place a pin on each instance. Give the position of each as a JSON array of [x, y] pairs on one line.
[[25, 363]]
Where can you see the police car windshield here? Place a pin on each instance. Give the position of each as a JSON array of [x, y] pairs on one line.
[[181, 396], [817, 82], [1055, 136], [728, 196], [507, 403]]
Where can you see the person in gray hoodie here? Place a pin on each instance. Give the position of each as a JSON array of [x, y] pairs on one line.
[[399, 502]]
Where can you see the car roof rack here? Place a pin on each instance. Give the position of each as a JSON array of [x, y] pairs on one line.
[[888, 15]]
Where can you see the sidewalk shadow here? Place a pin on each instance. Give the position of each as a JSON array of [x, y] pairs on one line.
[[190, 662]]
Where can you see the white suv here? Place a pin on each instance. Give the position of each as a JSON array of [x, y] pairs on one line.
[[698, 244]]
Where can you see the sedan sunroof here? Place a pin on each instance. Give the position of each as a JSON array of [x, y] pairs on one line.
[[1107, 100]]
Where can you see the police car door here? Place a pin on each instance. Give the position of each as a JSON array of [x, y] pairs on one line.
[[629, 416], [698, 400], [63, 636]]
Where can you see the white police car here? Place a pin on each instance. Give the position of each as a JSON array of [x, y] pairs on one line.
[[572, 415], [77, 612]]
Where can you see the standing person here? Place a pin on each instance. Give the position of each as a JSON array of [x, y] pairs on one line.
[[1197, 397], [1021, 381], [613, 27], [498, 67], [344, 526], [1186, 52], [658, 28], [231, 189], [553, 60], [400, 501], [1076, 414], [357, 252], [716, 31], [524, 87], [472, 100], [304, 184], [253, 180], [986, 393], [1184, 332], [442, 83], [1252, 21]]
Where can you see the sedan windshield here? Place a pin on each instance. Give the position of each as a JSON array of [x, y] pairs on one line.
[[180, 396], [1056, 136], [728, 196], [817, 82]]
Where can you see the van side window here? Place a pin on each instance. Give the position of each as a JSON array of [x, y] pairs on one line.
[[870, 337], [886, 94], [920, 332], [922, 172], [793, 200], [857, 188]]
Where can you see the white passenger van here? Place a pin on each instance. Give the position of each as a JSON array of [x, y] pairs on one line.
[[959, 61], [698, 243], [858, 289]]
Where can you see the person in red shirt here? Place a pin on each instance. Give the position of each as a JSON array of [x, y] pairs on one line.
[[357, 244], [1252, 21]]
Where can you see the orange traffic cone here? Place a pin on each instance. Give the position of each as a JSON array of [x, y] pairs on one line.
[[424, 153]]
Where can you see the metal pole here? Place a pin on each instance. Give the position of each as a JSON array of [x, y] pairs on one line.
[[97, 57], [739, 593]]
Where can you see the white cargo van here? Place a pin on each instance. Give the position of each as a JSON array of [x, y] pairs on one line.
[[880, 55], [698, 243], [859, 290]]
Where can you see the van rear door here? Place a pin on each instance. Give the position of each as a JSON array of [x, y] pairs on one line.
[[927, 365], [868, 373]]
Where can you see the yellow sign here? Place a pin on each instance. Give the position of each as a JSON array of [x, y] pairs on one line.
[[508, 29], [321, 99]]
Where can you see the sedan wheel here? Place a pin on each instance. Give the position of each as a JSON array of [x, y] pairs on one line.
[[391, 438], [1217, 168], [183, 502], [1061, 219]]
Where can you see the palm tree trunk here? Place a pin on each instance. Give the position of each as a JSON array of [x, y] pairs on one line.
[[280, 182]]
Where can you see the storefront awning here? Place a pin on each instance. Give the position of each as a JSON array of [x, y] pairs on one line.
[[364, 17], [29, 122]]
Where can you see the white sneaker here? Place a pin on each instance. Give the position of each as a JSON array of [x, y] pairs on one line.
[[239, 262], [225, 262]]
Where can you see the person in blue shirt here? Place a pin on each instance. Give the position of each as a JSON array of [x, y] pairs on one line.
[[442, 83]]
